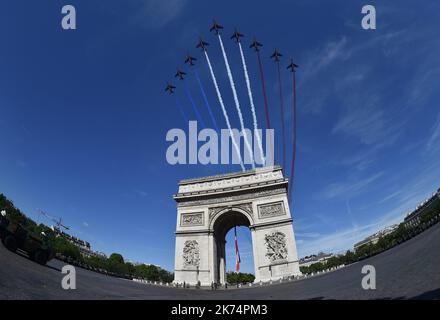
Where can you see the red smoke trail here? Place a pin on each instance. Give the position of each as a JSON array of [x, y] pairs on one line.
[[282, 115], [266, 104], [292, 168]]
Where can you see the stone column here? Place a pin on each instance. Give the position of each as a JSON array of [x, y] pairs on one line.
[[212, 247], [222, 266], [256, 256]]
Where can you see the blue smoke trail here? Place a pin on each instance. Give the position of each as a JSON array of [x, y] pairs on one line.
[[196, 111], [179, 106], [205, 98]]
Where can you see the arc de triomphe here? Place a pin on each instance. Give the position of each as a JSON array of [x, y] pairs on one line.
[[207, 208]]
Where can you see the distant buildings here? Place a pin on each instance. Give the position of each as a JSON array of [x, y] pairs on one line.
[[413, 218], [373, 239], [83, 246], [309, 260], [137, 263]]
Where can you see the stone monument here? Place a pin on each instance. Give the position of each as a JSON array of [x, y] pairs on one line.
[[208, 207]]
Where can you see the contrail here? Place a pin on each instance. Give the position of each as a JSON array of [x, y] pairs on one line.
[[266, 104], [251, 101], [196, 111], [220, 99], [282, 114], [292, 169], [237, 103], [205, 98], [179, 106]]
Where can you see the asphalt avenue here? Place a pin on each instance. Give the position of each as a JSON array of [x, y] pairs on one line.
[[408, 271]]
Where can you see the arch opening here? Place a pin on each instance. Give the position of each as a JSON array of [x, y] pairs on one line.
[[244, 236], [225, 222]]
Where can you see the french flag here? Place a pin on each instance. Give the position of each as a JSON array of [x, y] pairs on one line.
[[237, 253]]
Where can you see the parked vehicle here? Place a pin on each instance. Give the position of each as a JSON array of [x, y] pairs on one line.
[[14, 236]]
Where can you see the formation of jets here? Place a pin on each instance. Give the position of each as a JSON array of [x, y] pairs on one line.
[[256, 45], [276, 55], [180, 74], [170, 88], [216, 28], [190, 60], [237, 35], [203, 45], [292, 66]]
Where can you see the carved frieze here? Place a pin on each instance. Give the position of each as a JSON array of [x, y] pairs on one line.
[[231, 182], [245, 207], [191, 254], [269, 210], [191, 219], [246, 196], [214, 211], [276, 246]]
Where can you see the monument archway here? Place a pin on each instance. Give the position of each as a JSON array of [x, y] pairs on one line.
[[224, 221], [207, 208]]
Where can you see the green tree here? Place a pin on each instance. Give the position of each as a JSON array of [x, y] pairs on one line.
[[165, 275], [96, 262], [116, 258], [243, 278], [349, 257], [116, 264], [67, 249], [149, 272], [130, 268], [304, 270], [383, 243]]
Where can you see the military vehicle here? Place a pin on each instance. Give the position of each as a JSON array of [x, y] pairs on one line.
[[14, 236]]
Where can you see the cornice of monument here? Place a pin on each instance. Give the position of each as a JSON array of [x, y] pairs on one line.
[[232, 190], [229, 175], [231, 197], [232, 182]]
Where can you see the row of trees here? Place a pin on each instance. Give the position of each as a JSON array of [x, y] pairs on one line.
[[239, 277], [401, 234], [114, 264]]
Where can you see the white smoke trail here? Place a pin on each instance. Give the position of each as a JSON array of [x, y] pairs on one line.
[[220, 99], [251, 101], [237, 102]]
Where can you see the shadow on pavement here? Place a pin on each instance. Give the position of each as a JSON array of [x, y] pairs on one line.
[[428, 295], [53, 267]]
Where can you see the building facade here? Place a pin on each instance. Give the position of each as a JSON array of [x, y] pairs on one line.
[[374, 238], [315, 258], [413, 218]]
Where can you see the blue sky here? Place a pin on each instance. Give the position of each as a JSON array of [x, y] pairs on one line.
[[84, 115]]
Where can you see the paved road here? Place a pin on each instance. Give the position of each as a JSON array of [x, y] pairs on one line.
[[411, 270]]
